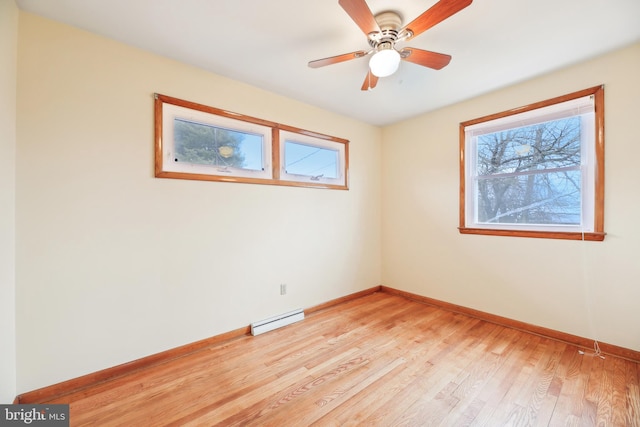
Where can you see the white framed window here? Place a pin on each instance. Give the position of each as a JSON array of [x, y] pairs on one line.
[[194, 141], [312, 159], [536, 171], [200, 143]]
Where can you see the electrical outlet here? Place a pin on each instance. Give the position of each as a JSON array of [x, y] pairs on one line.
[[283, 288]]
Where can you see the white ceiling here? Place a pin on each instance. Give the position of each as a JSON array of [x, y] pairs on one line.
[[267, 43]]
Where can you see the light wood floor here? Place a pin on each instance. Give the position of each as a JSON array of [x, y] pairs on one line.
[[380, 360]]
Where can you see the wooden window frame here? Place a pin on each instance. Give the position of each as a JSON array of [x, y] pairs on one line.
[[598, 233], [275, 149]]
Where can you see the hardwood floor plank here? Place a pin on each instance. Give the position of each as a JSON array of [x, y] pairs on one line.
[[543, 389], [463, 379], [440, 375], [378, 360], [356, 409], [430, 410], [530, 387], [604, 406], [632, 398], [619, 399], [288, 391], [499, 388], [412, 350], [415, 350], [570, 400], [335, 388]]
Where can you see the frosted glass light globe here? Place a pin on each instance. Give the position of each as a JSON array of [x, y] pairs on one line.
[[384, 62]]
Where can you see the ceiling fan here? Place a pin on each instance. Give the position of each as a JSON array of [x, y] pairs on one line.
[[384, 30]]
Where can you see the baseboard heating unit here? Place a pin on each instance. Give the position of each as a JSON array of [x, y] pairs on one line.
[[276, 322]]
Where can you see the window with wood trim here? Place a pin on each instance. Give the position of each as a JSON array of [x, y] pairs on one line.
[[536, 171], [194, 141]]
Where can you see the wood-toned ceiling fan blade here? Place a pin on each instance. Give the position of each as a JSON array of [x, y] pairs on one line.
[[336, 59], [370, 81], [361, 15], [425, 58], [436, 14]]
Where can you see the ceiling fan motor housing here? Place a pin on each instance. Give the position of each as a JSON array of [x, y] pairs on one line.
[[390, 24]]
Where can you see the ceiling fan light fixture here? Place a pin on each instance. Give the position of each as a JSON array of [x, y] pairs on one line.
[[385, 29], [384, 62]]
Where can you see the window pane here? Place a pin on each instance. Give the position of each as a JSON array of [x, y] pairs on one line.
[[550, 145], [540, 198], [310, 160], [202, 144]]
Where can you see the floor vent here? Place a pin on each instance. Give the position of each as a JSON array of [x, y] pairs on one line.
[[276, 322]]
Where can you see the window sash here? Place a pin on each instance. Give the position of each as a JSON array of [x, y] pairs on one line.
[[289, 174], [171, 113]]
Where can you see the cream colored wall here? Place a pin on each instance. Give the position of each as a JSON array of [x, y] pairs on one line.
[[114, 264], [8, 68], [588, 289]]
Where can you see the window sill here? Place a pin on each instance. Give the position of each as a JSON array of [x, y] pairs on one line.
[[564, 235]]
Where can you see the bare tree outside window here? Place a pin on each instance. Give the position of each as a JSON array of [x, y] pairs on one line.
[[530, 175]]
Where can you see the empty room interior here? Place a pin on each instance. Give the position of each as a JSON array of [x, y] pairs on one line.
[[130, 284]]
